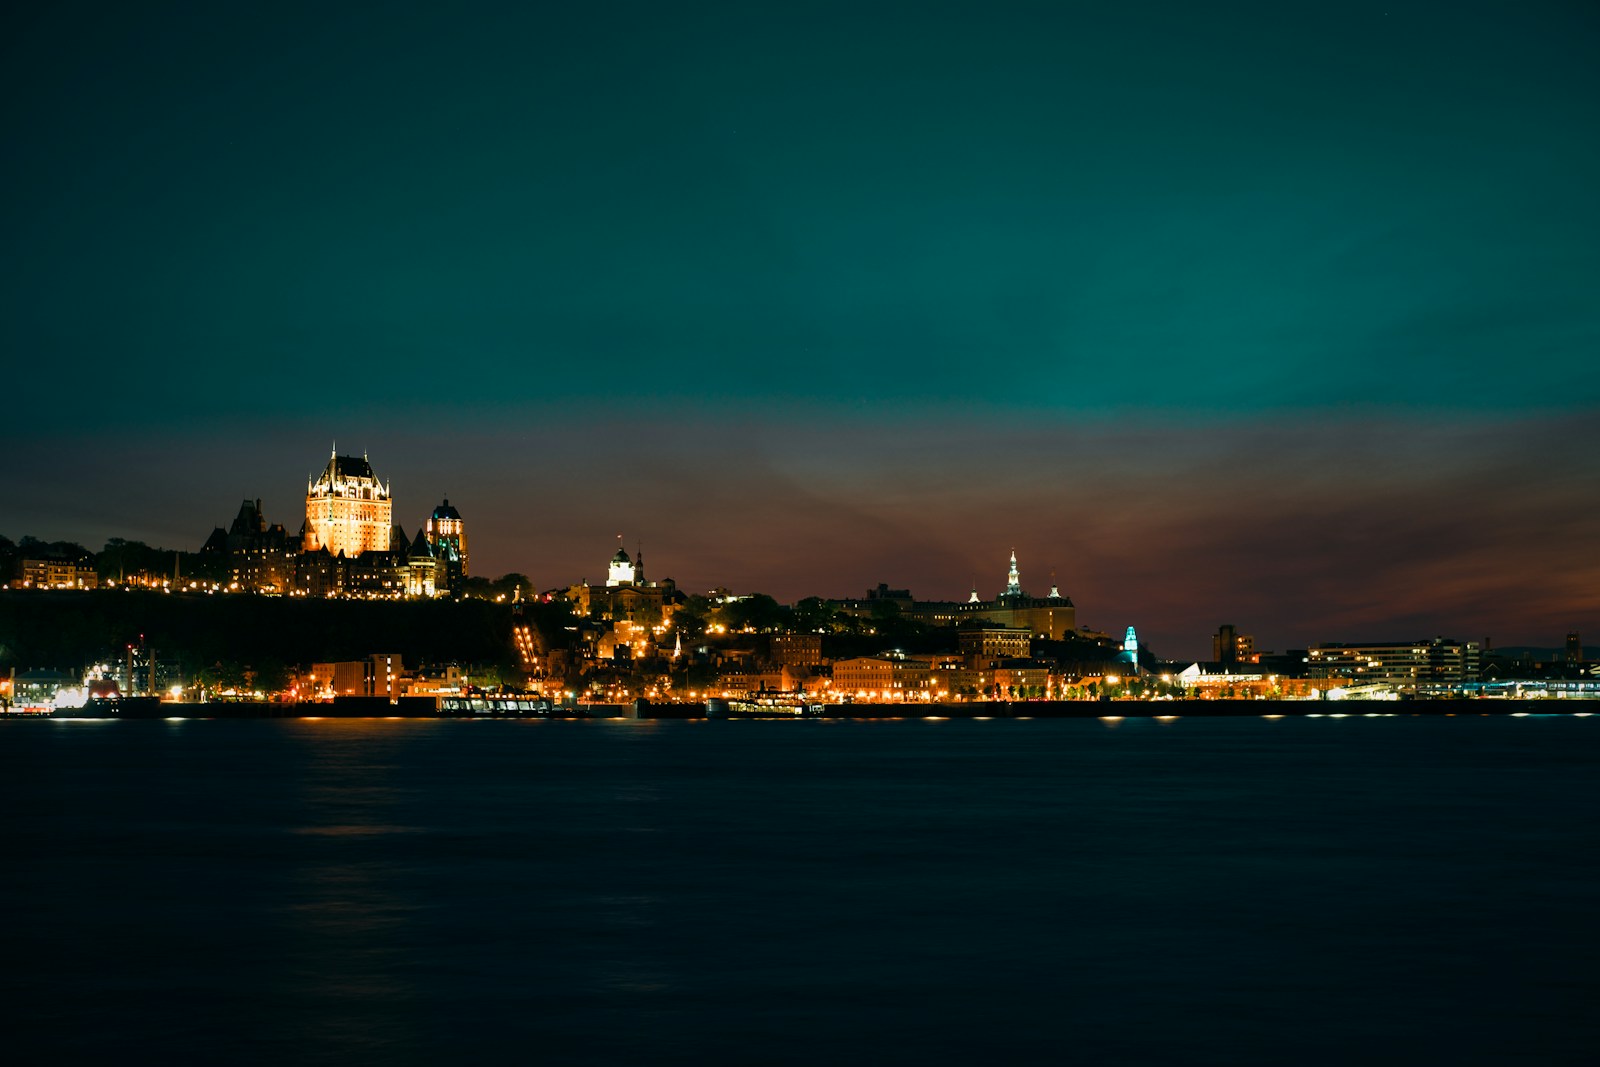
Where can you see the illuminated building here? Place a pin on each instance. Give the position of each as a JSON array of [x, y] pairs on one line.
[[1403, 664], [624, 571], [375, 676], [256, 557], [1228, 645], [796, 650], [348, 511], [996, 642], [425, 573], [447, 535], [627, 596], [886, 677], [1050, 617], [57, 572], [1130, 648]]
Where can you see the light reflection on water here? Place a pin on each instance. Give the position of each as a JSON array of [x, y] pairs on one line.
[[1341, 890], [348, 914]]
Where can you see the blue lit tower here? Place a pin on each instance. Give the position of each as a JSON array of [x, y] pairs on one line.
[[1130, 648]]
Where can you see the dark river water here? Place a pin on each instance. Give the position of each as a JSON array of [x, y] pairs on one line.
[[1228, 891]]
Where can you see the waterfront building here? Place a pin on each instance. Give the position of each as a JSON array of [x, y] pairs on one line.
[[381, 675], [348, 510], [887, 677], [1233, 681], [1404, 664], [37, 691]]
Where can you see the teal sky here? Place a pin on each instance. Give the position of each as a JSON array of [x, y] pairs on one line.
[[1203, 225]]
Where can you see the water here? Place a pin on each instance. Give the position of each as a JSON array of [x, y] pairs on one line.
[[1234, 891]]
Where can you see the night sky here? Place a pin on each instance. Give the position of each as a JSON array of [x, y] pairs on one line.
[[1274, 314]]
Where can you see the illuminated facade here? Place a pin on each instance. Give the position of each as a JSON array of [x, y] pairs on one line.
[[52, 573], [886, 677], [626, 596], [1050, 617], [1130, 649], [447, 535], [375, 676], [1403, 664], [995, 642], [1228, 645], [348, 511], [624, 571]]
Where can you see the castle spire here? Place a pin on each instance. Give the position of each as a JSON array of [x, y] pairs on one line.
[[1013, 579]]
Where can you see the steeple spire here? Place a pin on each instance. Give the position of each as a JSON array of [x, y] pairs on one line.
[[1013, 579]]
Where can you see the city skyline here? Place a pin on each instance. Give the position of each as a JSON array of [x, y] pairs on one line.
[[1244, 315], [1178, 626]]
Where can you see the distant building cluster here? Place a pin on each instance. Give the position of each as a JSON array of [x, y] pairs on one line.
[[1052, 617], [348, 545], [632, 629], [630, 636]]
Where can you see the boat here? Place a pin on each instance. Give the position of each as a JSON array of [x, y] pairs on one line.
[[496, 706], [769, 705], [142, 707]]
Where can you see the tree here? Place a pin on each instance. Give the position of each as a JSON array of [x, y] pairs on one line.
[[512, 586], [813, 614], [647, 613], [271, 676], [757, 612], [690, 618], [884, 611]]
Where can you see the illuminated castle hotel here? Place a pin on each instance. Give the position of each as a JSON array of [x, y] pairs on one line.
[[348, 511], [349, 545]]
